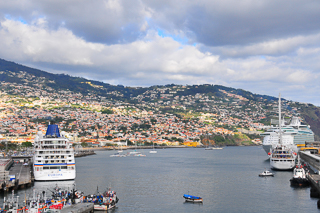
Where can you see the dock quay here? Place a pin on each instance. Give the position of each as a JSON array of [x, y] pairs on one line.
[[315, 184], [15, 173], [310, 156], [78, 208], [313, 160]]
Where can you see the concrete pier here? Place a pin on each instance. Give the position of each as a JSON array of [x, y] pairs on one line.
[[315, 184], [78, 208], [84, 153], [17, 175], [312, 159]]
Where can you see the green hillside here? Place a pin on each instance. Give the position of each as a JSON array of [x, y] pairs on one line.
[[179, 100]]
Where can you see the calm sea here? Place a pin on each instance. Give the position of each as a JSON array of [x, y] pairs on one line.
[[227, 180]]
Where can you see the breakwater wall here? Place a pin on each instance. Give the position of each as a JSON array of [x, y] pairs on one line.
[[84, 153]]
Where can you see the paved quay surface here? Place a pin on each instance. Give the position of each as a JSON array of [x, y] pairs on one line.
[[78, 208], [22, 175], [22, 172]]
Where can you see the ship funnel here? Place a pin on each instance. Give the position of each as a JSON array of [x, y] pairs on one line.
[[53, 131]]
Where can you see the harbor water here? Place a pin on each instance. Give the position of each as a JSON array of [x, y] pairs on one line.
[[226, 179]]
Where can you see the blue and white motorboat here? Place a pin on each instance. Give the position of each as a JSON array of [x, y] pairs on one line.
[[191, 198]]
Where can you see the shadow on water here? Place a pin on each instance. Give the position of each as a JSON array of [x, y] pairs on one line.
[[284, 171], [108, 211], [191, 203], [302, 188]]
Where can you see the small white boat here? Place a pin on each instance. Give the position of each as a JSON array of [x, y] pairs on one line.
[[104, 201], [212, 148], [134, 152], [139, 154], [266, 173], [118, 155], [153, 151], [299, 176], [120, 149], [217, 148]]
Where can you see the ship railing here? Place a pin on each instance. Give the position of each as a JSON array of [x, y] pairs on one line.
[[58, 154], [282, 157], [54, 147], [47, 148]]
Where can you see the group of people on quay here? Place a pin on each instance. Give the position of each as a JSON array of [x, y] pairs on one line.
[[59, 199]]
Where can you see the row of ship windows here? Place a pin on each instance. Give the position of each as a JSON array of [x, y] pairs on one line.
[[281, 152], [53, 142], [283, 160], [51, 147], [53, 157], [54, 152], [52, 161], [54, 167]]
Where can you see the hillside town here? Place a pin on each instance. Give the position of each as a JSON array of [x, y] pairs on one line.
[[160, 115]]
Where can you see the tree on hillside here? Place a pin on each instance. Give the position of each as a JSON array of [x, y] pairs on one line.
[[107, 111], [26, 144], [84, 144]]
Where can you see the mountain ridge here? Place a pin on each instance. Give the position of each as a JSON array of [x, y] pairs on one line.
[[163, 95], [77, 82]]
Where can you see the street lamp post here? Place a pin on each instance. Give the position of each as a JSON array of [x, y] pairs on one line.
[[6, 148]]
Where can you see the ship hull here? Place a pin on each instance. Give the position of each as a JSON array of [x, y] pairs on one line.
[[103, 207], [276, 164], [299, 182], [266, 148], [54, 175]]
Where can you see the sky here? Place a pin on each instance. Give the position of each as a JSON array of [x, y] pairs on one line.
[[263, 46]]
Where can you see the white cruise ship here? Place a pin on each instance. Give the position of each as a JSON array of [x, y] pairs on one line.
[[53, 156], [294, 133], [282, 156]]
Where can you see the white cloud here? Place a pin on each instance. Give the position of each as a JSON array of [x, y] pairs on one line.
[[40, 44], [250, 44], [272, 47]]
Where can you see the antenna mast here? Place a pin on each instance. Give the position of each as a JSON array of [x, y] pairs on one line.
[[280, 131]]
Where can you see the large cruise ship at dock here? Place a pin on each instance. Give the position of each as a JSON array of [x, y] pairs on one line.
[[294, 133], [53, 156]]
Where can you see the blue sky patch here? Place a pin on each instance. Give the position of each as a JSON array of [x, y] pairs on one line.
[[181, 40], [20, 19]]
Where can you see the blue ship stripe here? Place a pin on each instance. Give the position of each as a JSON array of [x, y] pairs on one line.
[[50, 164], [54, 164]]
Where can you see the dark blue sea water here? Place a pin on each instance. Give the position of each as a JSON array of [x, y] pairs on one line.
[[227, 180]]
